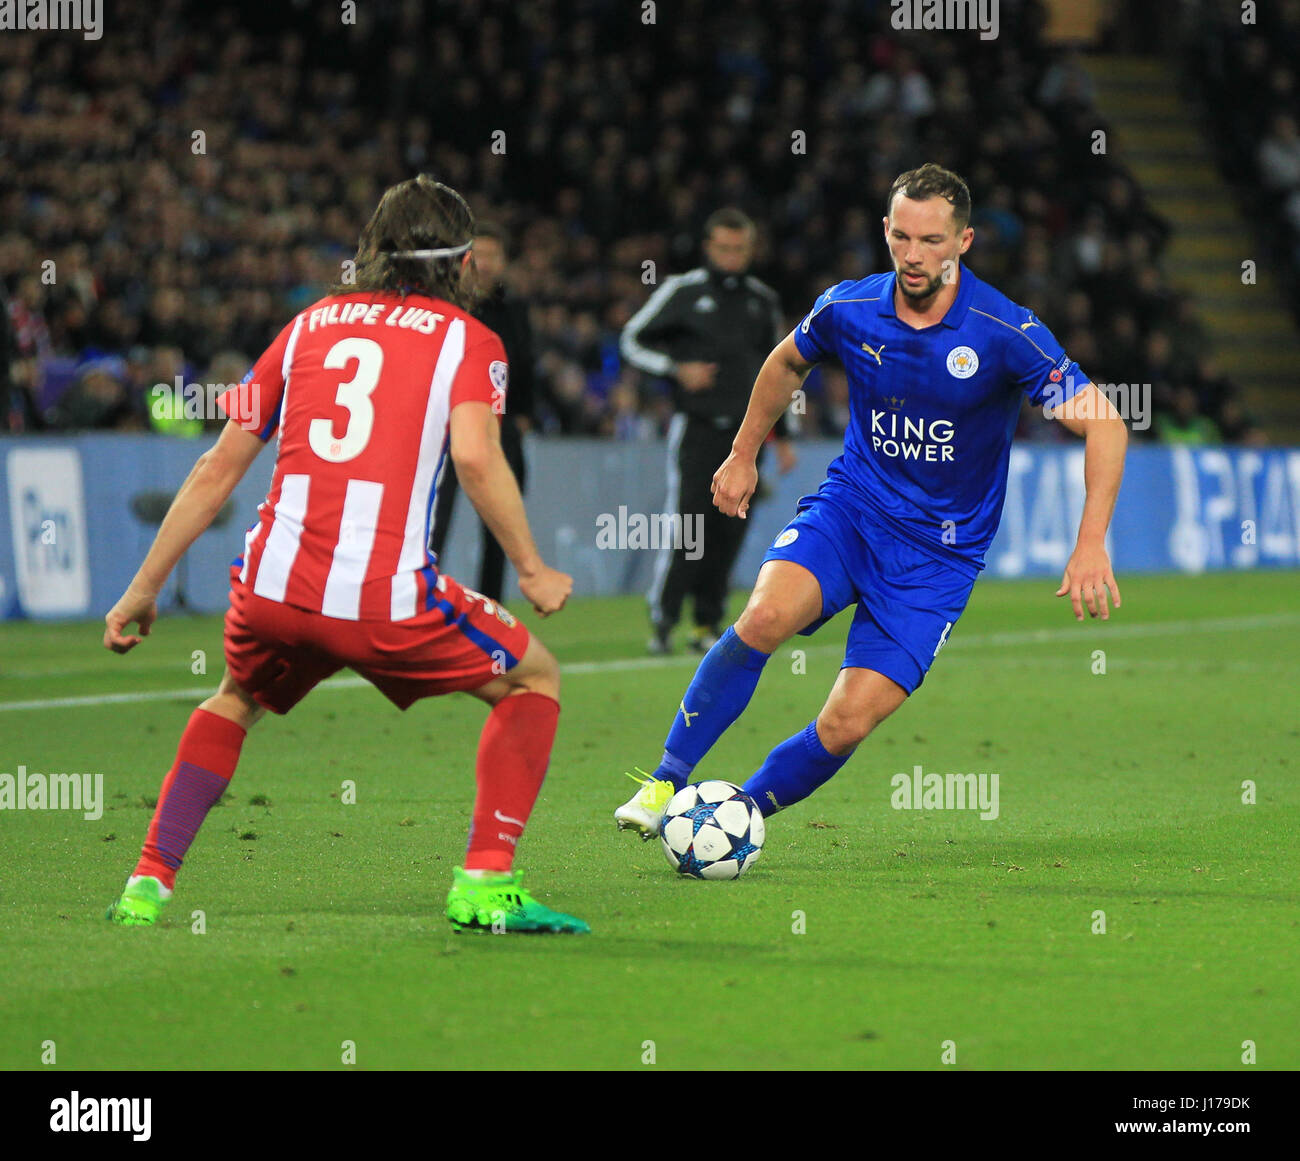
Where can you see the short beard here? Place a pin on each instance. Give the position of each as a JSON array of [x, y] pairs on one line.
[[930, 289]]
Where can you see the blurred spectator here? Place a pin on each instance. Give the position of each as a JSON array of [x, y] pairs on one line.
[[1236, 426], [508, 317], [1183, 424], [1279, 155], [97, 401], [14, 402]]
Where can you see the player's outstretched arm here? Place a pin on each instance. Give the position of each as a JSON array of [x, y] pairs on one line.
[[206, 489], [1088, 574], [489, 483], [781, 375]]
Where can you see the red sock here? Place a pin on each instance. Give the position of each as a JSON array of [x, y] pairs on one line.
[[205, 761], [513, 752]]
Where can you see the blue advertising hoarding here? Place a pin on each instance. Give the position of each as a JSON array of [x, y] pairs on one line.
[[78, 515]]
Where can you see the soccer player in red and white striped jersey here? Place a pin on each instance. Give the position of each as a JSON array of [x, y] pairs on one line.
[[367, 393]]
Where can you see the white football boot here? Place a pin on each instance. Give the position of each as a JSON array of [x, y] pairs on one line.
[[644, 811]]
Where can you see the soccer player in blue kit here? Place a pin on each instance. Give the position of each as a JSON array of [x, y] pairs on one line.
[[937, 362]]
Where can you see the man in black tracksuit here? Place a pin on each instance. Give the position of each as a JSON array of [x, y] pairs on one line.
[[509, 318], [709, 331]]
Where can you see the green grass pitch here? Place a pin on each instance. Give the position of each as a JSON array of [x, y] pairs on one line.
[[865, 937]]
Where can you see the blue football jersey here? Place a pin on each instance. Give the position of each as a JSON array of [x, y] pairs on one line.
[[932, 411]]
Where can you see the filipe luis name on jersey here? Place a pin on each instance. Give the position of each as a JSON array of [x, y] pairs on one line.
[[404, 317]]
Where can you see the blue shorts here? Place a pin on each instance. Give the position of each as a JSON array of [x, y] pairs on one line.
[[908, 599]]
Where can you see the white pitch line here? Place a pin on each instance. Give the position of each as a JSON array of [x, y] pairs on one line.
[[631, 664]]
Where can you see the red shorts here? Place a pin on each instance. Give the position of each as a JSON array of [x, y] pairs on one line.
[[278, 653]]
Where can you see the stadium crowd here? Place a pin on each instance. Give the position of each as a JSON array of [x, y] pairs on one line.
[[1243, 74], [172, 193]]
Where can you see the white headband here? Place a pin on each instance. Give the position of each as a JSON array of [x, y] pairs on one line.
[[442, 252]]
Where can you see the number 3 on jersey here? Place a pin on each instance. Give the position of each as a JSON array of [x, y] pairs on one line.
[[355, 396]]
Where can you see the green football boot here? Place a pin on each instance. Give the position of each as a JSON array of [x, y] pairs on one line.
[[499, 903], [140, 904]]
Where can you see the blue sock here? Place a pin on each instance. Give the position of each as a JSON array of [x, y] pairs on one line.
[[718, 693], [793, 771]]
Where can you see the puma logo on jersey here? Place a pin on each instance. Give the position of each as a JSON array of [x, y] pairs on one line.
[[1026, 326], [874, 354], [688, 715], [772, 797]]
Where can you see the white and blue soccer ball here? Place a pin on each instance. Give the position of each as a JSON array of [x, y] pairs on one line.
[[712, 830]]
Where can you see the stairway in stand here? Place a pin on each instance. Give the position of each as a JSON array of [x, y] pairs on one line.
[[1156, 136]]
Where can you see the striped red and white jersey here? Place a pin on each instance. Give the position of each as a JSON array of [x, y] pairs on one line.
[[358, 389]]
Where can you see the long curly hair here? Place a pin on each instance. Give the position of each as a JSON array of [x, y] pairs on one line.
[[419, 214]]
